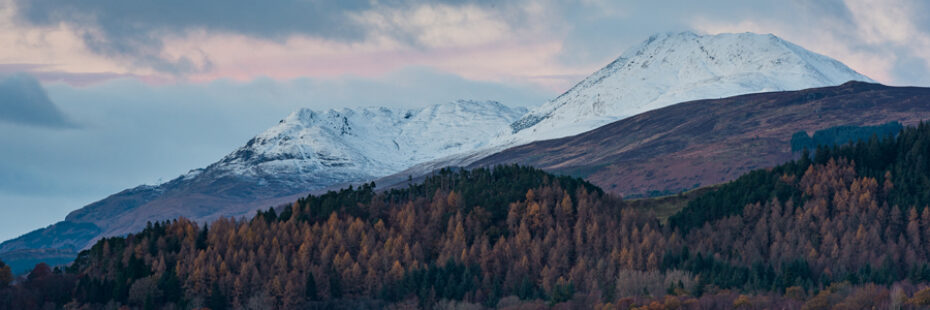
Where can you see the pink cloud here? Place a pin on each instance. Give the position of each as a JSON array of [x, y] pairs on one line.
[[467, 41], [244, 58]]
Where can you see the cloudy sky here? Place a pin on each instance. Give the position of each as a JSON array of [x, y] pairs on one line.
[[101, 95]]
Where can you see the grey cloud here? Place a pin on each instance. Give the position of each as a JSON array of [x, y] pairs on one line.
[[133, 30], [42, 73], [912, 71], [7, 69], [594, 37], [24, 101], [416, 87]]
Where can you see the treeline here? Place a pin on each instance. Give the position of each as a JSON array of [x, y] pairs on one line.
[[903, 160], [843, 228], [856, 213], [43, 288], [840, 135], [475, 236]]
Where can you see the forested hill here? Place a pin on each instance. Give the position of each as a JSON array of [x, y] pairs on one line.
[[844, 228], [885, 161]]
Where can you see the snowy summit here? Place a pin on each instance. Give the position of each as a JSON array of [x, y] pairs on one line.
[[676, 67], [350, 145]]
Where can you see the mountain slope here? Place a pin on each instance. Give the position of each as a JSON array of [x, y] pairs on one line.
[[306, 151], [707, 142], [671, 68]]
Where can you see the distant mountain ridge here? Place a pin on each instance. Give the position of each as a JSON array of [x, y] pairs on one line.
[[355, 144], [306, 151], [665, 69]]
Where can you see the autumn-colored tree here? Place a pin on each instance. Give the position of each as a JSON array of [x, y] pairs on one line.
[[921, 298], [6, 274]]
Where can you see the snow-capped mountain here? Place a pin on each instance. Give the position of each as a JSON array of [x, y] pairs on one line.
[[355, 144], [305, 152], [676, 67], [663, 70]]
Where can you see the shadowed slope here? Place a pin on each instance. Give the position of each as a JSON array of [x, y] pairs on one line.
[[707, 142]]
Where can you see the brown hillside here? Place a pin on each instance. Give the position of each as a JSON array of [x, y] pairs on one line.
[[707, 142]]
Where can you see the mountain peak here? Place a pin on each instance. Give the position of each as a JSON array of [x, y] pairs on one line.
[[369, 142], [668, 68]]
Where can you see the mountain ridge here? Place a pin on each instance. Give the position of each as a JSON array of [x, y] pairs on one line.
[[305, 152], [666, 69]]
